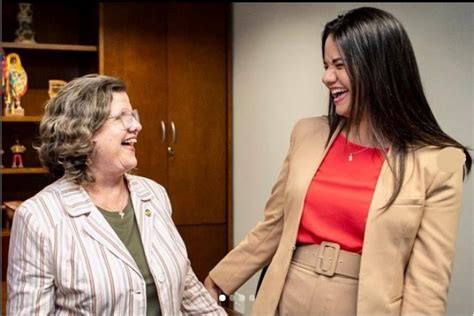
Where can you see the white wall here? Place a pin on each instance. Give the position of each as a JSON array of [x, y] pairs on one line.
[[277, 70]]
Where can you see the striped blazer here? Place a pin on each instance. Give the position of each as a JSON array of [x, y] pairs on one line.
[[65, 258]]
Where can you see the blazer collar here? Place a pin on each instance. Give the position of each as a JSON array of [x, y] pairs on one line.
[[77, 202], [316, 153], [305, 164]]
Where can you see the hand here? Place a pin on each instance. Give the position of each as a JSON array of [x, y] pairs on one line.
[[212, 288]]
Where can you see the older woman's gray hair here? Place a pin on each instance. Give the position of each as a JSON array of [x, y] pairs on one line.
[[71, 119]]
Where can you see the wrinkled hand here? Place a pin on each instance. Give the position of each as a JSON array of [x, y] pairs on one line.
[[212, 288]]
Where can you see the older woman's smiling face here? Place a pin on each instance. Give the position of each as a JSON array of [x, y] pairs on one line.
[[114, 143]]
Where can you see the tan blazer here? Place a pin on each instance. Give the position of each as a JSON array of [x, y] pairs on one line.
[[408, 249]]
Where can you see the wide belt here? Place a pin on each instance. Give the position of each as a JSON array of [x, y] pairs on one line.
[[328, 259]]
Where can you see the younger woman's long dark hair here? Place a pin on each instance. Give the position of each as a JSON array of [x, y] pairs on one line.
[[386, 87]]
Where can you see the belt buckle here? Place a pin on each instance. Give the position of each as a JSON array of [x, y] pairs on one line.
[[327, 265]]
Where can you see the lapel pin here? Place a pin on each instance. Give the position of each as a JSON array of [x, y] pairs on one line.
[[148, 212]]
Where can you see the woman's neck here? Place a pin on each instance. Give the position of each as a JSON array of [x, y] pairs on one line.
[[359, 135], [108, 193]]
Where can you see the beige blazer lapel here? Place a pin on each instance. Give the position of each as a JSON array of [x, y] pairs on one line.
[[79, 206], [307, 154], [306, 161], [382, 192]]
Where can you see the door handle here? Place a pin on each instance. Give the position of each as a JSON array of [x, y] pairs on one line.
[[173, 133], [163, 132]]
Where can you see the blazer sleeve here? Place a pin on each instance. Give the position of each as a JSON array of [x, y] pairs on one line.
[[30, 281], [260, 244], [196, 299], [429, 268]]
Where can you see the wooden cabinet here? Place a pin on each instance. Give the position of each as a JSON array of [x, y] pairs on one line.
[[66, 47], [174, 59]]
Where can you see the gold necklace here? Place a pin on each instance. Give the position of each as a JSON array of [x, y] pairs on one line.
[[349, 158], [122, 209], [351, 154], [122, 212]]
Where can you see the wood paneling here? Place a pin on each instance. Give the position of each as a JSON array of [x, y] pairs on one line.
[[74, 22], [197, 63], [174, 58], [57, 26], [133, 48], [206, 245]]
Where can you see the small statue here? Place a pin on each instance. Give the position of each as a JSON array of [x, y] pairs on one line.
[[55, 86], [15, 85], [25, 33], [17, 150]]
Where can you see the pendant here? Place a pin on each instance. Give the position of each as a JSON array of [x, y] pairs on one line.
[[122, 214], [350, 157]]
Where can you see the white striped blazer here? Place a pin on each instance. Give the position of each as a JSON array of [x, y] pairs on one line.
[[65, 258]]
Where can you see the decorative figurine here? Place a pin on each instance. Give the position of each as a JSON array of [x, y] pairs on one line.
[[54, 87], [17, 150], [25, 33], [15, 83], [4, 74]]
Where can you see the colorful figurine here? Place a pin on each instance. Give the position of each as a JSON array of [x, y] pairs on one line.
[[15, 84], [4, 77], [17, 150]]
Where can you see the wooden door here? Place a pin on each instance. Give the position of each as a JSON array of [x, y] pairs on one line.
[[174, 59], [197, 64], [132, 45]]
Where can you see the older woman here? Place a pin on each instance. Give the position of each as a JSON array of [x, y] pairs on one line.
[[98, 240]]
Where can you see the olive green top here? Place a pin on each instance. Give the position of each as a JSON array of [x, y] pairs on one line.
[[126, 229]]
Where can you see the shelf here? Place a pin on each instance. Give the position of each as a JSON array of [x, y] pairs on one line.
[[5, 232], [23, 170], [52, 47], [21, 118]]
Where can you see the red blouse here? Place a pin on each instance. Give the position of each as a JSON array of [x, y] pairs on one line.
[[338, 199]]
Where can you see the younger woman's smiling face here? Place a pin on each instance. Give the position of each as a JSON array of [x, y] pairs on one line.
[[336, 78]]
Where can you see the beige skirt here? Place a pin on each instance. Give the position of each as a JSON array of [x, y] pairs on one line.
[[307, 292]]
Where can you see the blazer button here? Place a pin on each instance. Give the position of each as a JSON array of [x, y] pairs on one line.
[[161, 277]]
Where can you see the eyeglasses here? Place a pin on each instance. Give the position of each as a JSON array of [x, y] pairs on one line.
[[127, 118]]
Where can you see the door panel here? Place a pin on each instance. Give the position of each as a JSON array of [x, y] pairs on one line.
[[202, 253], [133, 48], [197, 64]]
